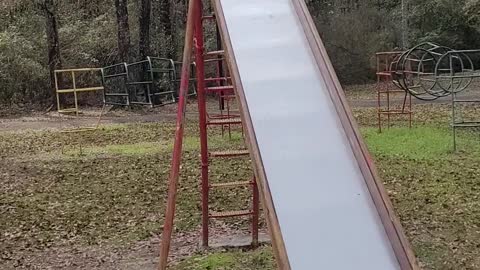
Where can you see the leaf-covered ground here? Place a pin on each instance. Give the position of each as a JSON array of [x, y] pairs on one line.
[[95, 200]]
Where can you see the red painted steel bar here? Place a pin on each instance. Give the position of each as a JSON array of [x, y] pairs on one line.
[[177, 152], [202, 113]]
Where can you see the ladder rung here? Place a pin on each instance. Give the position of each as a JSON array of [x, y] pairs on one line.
[[229, 97], [233, 114], [220, 52], [210, 17], [227, 214], [219, 88], [214, 60], [230, 153], [217, 79], [232, 184], [225, 121]]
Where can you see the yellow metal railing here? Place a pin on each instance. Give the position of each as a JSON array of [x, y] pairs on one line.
[[75, 90]]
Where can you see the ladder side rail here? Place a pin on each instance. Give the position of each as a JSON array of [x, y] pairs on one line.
[[202, 113], [177, 152]]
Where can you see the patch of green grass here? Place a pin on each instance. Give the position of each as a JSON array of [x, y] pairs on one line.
[[417, 143], [217, 261], [257, 259], [435, 191]]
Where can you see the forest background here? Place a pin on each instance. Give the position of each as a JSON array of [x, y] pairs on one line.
[[39, 36]]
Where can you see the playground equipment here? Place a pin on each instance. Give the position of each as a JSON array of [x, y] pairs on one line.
[[219, 84], [429, 71], [70, 77], [148, 82], [152, 82], [114, 79], [385, 94], [324, 203], [192, 85], [460, 78]]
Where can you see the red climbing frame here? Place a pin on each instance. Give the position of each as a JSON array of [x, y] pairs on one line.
[[385, 104]]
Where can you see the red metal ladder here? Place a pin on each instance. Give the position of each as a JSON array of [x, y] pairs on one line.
[[194, 39], [385, 101], [221, 86]]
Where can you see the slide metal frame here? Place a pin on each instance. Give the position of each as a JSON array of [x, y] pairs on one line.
[[376, 188]]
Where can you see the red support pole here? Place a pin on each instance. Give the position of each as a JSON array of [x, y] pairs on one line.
[[202, 112], [177, 152]]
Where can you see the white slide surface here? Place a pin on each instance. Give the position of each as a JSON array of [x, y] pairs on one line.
[[326, 214]]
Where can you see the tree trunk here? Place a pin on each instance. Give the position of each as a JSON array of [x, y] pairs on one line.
[[123, 29], [174, 39], [144, 26], [166, 24], [53, 44]]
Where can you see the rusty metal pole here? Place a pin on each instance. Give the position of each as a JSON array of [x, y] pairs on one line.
[[177, 152], [202, 114], [220, 71]]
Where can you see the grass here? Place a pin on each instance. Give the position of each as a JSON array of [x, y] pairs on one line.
[[258, 259], [114, 194], [136, 149], [420, 143], [435, 191]]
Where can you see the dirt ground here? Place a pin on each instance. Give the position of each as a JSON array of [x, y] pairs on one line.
[[88, 117], [101, 206], [359, 96], [36, 156]]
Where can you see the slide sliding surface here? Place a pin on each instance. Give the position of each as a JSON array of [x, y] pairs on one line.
[[325, 208]]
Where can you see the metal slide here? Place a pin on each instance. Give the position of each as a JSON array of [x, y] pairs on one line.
[[319, 188]]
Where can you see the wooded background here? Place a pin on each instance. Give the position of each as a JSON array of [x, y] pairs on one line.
[[38, 36]]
